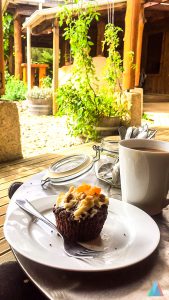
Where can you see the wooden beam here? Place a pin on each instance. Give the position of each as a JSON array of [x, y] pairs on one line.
[[23, 12], [154, 3], [139, 46], [29, 58], [18, 47], [55, 63], [130, 42], [44, 26], [150, 4], [2, 77]]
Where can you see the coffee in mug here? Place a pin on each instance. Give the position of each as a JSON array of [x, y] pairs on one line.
[[144, 173]]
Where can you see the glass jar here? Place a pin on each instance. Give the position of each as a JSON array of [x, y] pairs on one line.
[[107, 166]]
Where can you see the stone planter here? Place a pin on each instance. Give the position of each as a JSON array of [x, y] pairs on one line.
[[108, 126], [10, 143], [40, 106], [109, 121]]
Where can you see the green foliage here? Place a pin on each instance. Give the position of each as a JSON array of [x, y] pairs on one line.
[[46, 82], [147, 117], [15, 89], [80, 98], [114, 63], [114, 101], [7, 32], [77, 98], [43, 56]]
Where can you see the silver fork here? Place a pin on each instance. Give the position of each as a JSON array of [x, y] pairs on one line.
[[71, 248]]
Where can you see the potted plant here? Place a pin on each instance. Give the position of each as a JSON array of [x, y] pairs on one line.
[[40, 101], [81, 98]]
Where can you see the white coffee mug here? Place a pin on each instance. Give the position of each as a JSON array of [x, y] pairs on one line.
[[144, 172]]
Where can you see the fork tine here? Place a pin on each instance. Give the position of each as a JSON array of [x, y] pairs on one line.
[[83, 254], [89, 251], [78, 255]]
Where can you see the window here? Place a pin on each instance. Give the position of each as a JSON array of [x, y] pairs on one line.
[[154, 49]]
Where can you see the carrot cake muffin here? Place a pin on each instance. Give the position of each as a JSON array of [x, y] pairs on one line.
[[81, 212]]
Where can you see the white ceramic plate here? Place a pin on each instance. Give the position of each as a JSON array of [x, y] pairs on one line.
[[128, 236]]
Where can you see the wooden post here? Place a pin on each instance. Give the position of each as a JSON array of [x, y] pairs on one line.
[[29, 58], [18, 47], [24, 73], [55, 63], [139, 46], [11, 56], [100, 37], [42, 74], [2, 76], [130, 42]]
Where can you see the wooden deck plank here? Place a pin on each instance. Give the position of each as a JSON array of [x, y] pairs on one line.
[[6, 182], [3, 209], [3, 193], [22, 177], [25, 161], [4, 246], [21, 167], [19, 174], [7, 257], [1, 233], [2, 220], [4, 200]]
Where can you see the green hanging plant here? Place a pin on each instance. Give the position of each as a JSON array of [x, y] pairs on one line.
[[77, 98], [114, 101]]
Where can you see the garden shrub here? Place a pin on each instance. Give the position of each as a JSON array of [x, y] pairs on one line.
[[15, 89]]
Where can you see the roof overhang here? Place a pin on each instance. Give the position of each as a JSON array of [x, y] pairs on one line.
[[50, 13], [45, 3]]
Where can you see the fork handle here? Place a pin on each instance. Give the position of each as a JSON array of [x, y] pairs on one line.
[[29, 208]]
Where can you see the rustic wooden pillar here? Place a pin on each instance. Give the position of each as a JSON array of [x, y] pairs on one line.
[[130, 42], [18, 46], [2, 76], [55, 63], [11, 56], [100, 37], [29, 58], [139, 46]]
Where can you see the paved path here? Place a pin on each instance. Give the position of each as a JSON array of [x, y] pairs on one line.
[[47, 134], [44, 134]]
